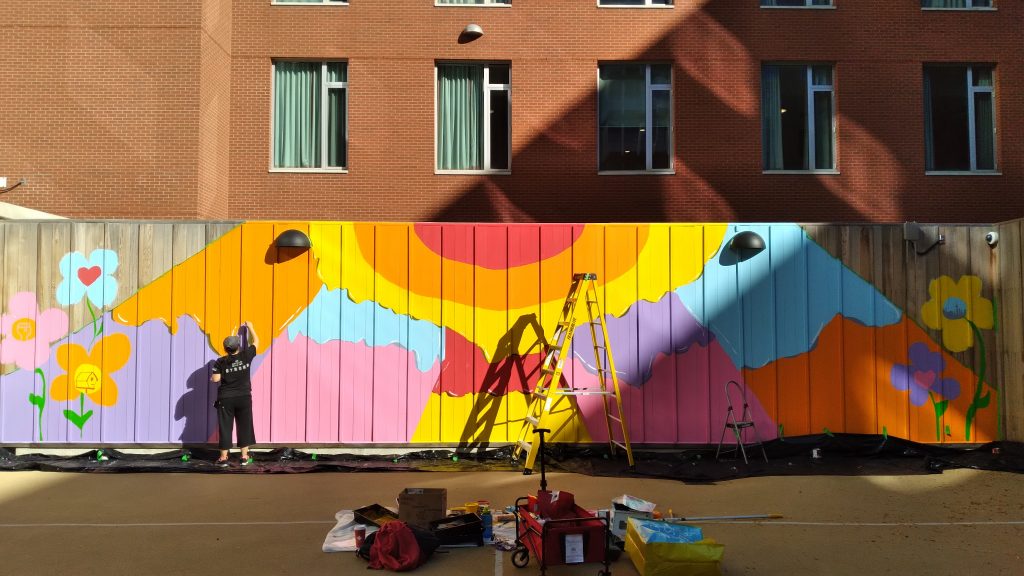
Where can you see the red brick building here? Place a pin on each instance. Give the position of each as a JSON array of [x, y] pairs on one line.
[[841, 110]]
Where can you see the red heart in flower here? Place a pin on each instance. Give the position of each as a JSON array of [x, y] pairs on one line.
[[925, 379], [89, 275]]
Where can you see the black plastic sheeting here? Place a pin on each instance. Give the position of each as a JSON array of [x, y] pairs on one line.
[[837, 455]]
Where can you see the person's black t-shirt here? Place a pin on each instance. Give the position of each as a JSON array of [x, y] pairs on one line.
[[234, 373]]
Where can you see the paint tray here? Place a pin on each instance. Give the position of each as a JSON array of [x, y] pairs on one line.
[[374, 515]]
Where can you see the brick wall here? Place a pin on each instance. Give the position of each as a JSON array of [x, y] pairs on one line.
[[99, 107], [110, 103]]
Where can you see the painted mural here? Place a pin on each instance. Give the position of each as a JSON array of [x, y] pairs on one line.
[[433, 333]]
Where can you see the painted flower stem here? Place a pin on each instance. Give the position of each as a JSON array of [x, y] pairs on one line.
[[39, 400], [978, 401]]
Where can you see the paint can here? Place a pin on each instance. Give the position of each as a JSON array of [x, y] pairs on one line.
[[360, 533], [816, 453]]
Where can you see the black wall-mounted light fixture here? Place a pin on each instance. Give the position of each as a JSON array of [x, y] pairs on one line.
[[470, 32], [292, 239], [747, 241], [923, 238]]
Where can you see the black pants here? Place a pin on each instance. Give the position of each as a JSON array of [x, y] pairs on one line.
[[235, 409]]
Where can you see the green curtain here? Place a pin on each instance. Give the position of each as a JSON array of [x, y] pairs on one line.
[[943, 3], [460, 143], [771, 118], [337, 141], [296, 114]]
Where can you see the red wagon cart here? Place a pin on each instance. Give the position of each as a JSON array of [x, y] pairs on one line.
[[552, 528]]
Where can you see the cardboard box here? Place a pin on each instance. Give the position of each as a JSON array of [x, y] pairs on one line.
[[420, 506]]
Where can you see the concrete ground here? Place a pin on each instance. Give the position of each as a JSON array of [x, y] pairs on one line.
[[960, 522]]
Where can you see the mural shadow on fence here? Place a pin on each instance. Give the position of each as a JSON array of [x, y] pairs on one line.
[[194, 407], [494, 387]]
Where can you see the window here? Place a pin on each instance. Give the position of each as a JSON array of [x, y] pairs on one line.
[[959, 118], [635, 117], [474, 2], [474, 112], [796, 3], [956, 4], [634, 2], [310, 115], [797, 117]]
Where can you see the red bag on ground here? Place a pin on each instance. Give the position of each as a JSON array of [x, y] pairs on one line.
[[395, 548]]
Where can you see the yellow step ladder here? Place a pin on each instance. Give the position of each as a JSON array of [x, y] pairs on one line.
[[550, 387]]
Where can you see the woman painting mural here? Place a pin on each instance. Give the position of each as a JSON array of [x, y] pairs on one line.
[[234, 394]]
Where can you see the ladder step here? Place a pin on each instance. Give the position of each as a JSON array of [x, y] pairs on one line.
[[533, 421], [617, 443], [585, 393], [525, 445], [616, 418]]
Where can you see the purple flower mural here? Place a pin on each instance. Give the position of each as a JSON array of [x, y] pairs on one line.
[[923, 378]]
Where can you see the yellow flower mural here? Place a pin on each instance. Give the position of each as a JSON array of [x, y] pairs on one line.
[[88, 374], [953, 307]]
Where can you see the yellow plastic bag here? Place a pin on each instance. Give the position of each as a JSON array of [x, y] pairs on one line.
[[653, 555]]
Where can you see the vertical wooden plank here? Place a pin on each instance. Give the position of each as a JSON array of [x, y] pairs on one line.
[[488, 418], [860, 402], [5, 369], [692, 368], [556, 277], [288, 372], [122, 239], [657, 363], [153, 405], [357, 325], [1011, 329], [590, 253], [323, 360], [984, 265], [891, 343], [457, 315], [826, 363], [921, 270], [391, 329], [20, 417], [223, 308], [757, 302], [788, 253], [524, 319], [257, 304], [54, 243], [424, 294], [188, 344], [621, 252], [724, 316], [954, 262], [87, 319]]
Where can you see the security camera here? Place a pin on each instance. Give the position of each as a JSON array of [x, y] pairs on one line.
[[992, 238]]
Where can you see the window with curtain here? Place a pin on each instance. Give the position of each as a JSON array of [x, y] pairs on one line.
[[634, 117], [475, 2], [310, 125], [795, 3], [959, 118], [797, 117], [962, 4], [634, 2], [474, 113]]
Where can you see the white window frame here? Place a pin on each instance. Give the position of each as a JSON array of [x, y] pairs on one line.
[[487, 88], [812, 89], [807, 6], [649, 90], [325, 87], [320, 3], [970, 6], [972, 135], [646, 4], [486, 4]]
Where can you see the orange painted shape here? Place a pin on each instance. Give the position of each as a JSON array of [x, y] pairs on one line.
[[826, 371], [859, 377]]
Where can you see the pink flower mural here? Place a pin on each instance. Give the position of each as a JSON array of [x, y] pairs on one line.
[[28, 333]]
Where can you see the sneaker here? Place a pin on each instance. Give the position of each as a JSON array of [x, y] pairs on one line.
[[247, 462], [222, 463]]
